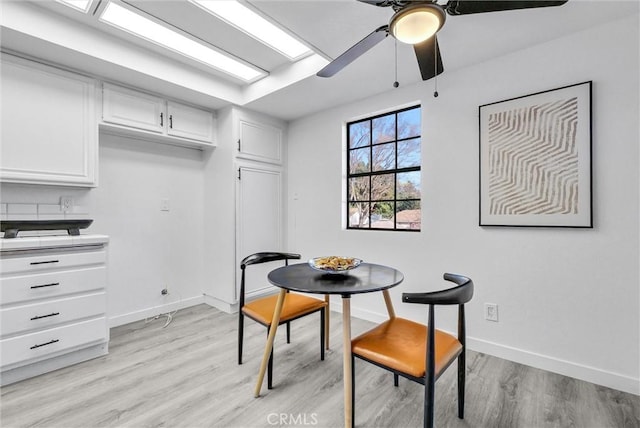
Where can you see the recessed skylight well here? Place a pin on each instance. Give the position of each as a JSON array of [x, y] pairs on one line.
[[81, 5], [141, 26], [256, 26]]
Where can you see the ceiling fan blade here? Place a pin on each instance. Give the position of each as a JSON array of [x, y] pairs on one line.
[[428, 55], [354, 52], [465, 7], [381, 3]]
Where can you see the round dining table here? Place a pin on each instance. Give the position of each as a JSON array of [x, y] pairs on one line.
[[301, 277]]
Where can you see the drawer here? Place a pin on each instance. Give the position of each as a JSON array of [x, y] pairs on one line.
[[46, 285], [51, 313], [51, 261], [35, 346]]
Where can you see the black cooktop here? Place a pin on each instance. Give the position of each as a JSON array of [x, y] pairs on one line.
[[12, 227]]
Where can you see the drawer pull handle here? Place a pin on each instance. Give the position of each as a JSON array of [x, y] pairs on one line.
[[45, 344], [45, 262], [37, 317], [53, 284]]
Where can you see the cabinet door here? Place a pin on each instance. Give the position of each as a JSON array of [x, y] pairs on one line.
[[259, 222], [260, 142], [134, 109], [189, 122], [49, 126]]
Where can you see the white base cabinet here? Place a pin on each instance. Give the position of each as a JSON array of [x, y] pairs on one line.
[[48, 133], [52, 307]]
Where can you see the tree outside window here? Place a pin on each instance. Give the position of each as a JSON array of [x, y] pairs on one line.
[[383, 175]]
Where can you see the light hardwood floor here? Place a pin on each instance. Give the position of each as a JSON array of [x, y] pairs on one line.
[[186, 375]]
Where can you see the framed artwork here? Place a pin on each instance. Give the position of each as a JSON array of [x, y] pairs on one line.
[[535, 159]]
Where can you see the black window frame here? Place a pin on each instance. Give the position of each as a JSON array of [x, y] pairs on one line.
[[395, 171]]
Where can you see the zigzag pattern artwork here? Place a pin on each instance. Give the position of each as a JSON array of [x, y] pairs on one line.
[[533, 159]]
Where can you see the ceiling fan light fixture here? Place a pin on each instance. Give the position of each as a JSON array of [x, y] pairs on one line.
[[415, 24]]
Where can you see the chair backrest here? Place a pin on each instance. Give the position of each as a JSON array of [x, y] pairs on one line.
[[459, 295], [262, 257]]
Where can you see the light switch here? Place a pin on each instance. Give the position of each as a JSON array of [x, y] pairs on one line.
[[164, 204]]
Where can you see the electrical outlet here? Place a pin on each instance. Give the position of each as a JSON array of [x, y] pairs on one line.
[[66, 204], [491, 312]]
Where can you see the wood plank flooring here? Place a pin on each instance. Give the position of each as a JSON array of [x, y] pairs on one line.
[[186, 375]]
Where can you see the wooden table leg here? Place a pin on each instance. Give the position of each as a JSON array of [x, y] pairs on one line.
[[272, 335], [389, 303], [346, 362], [327, 315]]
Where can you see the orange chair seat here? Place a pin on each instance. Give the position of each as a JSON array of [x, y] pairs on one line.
[[295, 305], [401, 345]]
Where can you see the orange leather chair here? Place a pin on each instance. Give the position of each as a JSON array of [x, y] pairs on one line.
[[415, 351], [261, 310]]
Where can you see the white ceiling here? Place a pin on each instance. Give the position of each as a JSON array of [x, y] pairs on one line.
[[292, 90]]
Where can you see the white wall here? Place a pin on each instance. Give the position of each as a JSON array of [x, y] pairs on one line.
[[149, 249], [568, 299]]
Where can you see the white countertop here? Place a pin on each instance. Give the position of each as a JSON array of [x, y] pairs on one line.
[[49, 241]]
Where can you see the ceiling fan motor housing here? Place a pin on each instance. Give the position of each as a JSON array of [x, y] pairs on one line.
[[416, 23]]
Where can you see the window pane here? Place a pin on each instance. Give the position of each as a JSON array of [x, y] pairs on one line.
[[382, 215], [409, 123], [382, 187], [409, 185], [384, 129], [384, 157], [409, 153], [359, 189], [359, 134], [383, 176], [408, 215], [359, 214], [359, 160]]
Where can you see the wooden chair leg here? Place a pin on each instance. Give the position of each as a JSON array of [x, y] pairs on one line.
[[322, 333], [353, 390], [240, 335], [461, 383]]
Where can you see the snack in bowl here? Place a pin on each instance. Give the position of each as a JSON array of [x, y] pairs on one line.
[[333, 264]]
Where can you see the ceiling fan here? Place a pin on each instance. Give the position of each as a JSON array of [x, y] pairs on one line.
[[417, 22]]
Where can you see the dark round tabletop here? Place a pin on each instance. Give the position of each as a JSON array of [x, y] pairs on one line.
[[366, 278]]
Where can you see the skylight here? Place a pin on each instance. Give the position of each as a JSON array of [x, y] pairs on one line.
[[256, 26], [140, 26], [81, 5]]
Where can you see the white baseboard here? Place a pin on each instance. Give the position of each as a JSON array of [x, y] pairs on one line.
[[230, 308], [557, 365], [544, 362], [155, 310]]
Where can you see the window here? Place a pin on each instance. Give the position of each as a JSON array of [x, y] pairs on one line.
[[383, 171]]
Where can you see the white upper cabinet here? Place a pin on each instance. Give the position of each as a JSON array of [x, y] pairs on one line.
[[140, 115], [135, 109], [260, 142], [49, 133], [189, 122]]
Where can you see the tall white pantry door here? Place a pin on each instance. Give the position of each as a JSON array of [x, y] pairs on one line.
[[259, 222]]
